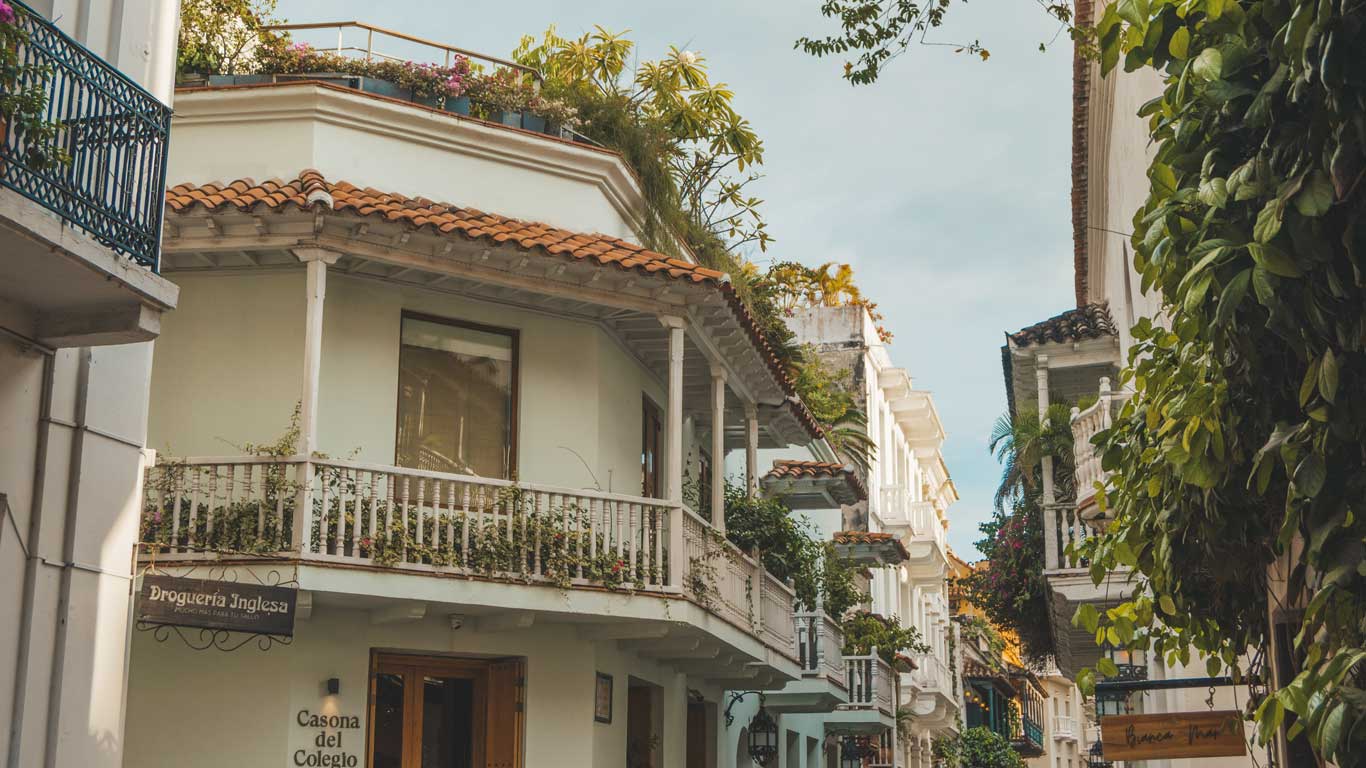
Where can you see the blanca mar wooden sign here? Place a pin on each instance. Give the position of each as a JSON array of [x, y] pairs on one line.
[[1173, 734]]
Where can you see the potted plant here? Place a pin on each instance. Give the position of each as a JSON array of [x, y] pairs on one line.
[[503, 97]]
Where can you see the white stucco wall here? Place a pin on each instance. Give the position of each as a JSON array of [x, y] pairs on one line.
[[276, 132], [229, 371], [1120, 151], [97, 489], [249, 699]]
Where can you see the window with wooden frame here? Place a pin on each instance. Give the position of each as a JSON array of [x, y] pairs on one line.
[[651, 437], [457, 397], [437, 712]]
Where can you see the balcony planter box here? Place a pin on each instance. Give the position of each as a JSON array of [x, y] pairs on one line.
[[533, 123], [459, 105], [513, 119], [215, 80]]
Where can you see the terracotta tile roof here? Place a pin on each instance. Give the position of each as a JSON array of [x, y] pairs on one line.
[[311, 189], [871, 538], [799, 470], [1090, 321]]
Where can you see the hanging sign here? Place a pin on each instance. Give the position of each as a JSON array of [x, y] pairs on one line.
[[1173, 734], [217, 605]]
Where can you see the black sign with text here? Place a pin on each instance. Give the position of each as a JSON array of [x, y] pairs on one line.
[[222, 605]]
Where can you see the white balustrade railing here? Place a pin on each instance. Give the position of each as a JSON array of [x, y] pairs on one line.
[[895, 502], [417, 520], [820, 644], [931, 674], [1064, 728], [1063, 521], [1086, 424], [871, 683], [408, 519]]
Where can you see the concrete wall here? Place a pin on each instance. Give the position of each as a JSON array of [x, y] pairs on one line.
[[76, 501], [276, 132], [1120, 151], [136, 37], [229, 371], [243, 706]]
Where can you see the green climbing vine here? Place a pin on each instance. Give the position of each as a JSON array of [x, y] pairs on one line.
[[1243, 443]]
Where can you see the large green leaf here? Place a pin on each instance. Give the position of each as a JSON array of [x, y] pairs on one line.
[[1209, 64], [1268, 221], [1316, 196]]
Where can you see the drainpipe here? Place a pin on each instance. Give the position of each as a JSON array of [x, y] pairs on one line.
[[73, 488], [35, 528]]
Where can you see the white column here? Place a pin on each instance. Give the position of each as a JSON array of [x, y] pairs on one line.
[[752, 448], [317, 261], [1050, 512], [674, 417], [718, 448]]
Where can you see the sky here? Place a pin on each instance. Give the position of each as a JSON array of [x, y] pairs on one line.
[[945, 184]]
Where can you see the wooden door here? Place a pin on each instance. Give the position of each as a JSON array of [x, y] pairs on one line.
[[506, 710], [697, 735], [428, 712]]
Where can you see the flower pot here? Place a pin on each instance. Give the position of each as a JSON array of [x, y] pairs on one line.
[[241, 79], [513, 119], [533, 122], [460, 105], [434, 102]]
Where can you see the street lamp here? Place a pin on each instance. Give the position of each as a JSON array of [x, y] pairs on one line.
[[1096, 756], [763, 737], [853, 751]]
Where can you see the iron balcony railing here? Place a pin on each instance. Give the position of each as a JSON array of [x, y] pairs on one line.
[[104, 168]]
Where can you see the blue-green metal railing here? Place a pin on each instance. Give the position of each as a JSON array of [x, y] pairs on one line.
[[1033, 731], [113, 133]]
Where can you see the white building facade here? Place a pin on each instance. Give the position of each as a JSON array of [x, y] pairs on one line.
[[80, 302], [456, 435], [908, 495]]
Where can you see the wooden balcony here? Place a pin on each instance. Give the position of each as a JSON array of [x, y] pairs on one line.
[[487, 546]]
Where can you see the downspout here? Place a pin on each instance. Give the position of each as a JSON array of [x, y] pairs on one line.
[[73, 489], [35, 528]]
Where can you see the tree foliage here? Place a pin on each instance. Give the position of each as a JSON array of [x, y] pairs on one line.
[[221, 37], [1243, 443], [978, 747], [1010, 587], [790, 548], [863, 631], [703, 152]]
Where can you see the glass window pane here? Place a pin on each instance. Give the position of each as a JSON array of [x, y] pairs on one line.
[[388, 735], [447, 722], [455, 399]]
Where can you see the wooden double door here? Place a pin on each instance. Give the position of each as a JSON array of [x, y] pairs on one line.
[[440, 712]]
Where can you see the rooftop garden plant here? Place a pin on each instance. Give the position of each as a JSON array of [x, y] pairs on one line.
[[791, 549], [864, 631]]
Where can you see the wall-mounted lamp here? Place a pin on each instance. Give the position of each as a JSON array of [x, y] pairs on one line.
[[333, 686]]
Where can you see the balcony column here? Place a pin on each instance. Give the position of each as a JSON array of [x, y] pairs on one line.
[[674, 451], [752, 448], [718, 448], [1050, 511], [316, 261]]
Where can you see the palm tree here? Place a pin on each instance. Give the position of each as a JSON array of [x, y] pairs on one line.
[[1020, 441]]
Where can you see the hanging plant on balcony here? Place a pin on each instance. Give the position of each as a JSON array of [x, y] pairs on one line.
[[27, 135], [864, 631]]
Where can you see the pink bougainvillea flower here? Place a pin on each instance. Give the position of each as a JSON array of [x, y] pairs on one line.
[[6, 13]]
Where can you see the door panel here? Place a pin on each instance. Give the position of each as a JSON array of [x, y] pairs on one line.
[[439, 713], [505, 713]]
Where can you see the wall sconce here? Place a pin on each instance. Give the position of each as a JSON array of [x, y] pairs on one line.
[[333, 686]]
